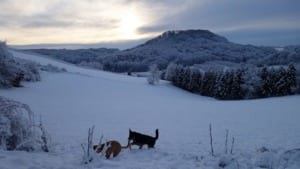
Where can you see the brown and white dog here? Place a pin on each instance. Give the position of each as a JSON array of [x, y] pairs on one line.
[[112, 147]]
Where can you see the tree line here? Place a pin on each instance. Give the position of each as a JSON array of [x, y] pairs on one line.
[[235, 84]]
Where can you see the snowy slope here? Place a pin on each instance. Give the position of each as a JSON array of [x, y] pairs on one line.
[[44, 60], [71, 102]]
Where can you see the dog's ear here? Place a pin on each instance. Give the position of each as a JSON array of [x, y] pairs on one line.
[[129, 130]]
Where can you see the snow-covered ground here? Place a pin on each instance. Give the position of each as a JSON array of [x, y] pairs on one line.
[[71, 102]]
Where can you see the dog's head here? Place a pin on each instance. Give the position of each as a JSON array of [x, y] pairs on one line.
[[98, 148], [131, 135]]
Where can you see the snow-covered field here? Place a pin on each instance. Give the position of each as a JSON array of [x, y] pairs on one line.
[[71, 102]]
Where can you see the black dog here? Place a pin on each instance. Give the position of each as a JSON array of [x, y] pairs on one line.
[[141, 139]]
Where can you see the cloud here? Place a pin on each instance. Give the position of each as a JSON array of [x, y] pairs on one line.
[[55, 13], [155, 16], [233, 17], [55, 23], [153, 29], [228, 13], [265, 37]]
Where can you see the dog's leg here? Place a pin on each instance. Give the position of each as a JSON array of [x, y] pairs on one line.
[[141, 146], [128, 145], [109, 151]]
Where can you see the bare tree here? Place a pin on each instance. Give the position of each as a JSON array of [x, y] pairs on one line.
[[87, 156], [232, 145], [88, 149], [226, 142], [211, 141]]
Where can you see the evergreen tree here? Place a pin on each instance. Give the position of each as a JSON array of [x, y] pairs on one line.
[[265, 89], [237, 92], [186, 78], [220, 86], [208, 83], [195, 80], [224, 85], [281, 85], [291, 78], [177, 78]]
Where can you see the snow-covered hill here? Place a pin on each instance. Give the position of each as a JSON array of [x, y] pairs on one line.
[[75, 56], [186, 47], [285, 56], [71, 102]]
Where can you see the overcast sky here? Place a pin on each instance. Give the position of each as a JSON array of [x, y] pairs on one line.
[[259, 22]]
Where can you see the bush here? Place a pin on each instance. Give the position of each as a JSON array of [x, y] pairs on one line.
[[51, 68], [17, 128]]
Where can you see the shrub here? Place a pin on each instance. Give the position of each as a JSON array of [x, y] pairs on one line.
[[17, 128]]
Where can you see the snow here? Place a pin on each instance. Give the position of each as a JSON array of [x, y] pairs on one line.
[[186, 47], [44, 60], [71, 102]]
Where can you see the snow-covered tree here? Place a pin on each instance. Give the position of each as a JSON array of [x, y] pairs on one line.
[[209, 83], [237, 92], [153, 77], [292, 78], [266, 88], [220, 86], [195, 80], [13, 70], [186, 78], [170, 72], [178, 76]]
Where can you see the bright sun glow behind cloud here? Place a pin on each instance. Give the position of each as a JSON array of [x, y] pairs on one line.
[[62, 21], [130, 22], [93, 21]]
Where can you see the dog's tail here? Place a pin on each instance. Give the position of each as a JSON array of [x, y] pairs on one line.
[[124, 147], [156, 134]]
